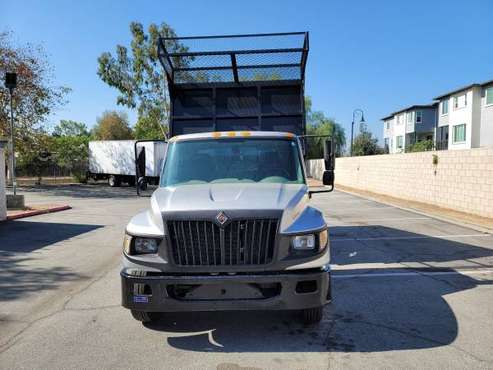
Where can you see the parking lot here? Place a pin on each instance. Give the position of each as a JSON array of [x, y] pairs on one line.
[[409, 291]]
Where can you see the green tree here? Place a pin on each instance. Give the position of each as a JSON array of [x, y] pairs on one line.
[[366, 144], [319, 124], [31, 159], [112, 125], [70, 128], [35, 97], [137, 74], [148, 127], [71, 152]]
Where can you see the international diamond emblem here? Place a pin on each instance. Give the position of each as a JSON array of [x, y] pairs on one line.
[[221, 218]]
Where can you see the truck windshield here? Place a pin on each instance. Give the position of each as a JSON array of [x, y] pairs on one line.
[[232, 161]]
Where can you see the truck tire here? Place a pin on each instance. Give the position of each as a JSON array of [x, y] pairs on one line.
[[114, 181], [143, 316], [312, 315], [131, 181]]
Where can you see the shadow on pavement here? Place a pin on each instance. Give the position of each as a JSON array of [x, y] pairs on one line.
[[368, 314], [18, 276], [27, 236], [97, 191]]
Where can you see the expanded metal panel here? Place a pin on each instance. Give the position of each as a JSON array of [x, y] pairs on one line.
[[241, 242], [234, 58], [203, 76]]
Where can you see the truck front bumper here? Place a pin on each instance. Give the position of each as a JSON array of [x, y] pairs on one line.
[[273, 291]]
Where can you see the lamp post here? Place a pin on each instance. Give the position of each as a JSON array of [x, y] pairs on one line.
[[11, 84], [362, 120]]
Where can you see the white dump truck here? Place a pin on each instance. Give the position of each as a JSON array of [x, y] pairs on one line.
[[231, 226], [114, 160]]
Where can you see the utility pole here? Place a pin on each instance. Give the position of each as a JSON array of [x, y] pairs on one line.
[[11, 84]]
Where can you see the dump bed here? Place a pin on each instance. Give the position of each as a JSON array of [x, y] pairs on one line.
[[236, 82]]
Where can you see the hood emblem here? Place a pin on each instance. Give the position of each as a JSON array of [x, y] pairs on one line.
[[221, 218]]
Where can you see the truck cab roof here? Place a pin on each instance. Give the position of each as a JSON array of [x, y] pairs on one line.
[[232, 134]]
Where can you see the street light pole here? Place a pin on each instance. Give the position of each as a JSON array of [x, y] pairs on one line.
[[11, 84], [352, 127], [12, 153]]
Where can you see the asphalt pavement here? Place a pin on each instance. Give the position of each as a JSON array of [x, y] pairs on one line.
[[409, 291]]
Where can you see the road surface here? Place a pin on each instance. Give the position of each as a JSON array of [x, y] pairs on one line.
[[409, 291]]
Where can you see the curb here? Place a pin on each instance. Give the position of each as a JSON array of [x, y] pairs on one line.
[[457, 222], [36, 212]]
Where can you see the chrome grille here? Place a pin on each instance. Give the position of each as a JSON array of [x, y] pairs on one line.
[[240, 242]]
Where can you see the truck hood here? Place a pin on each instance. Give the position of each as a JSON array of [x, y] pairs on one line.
[[250, 196], [290, 201]]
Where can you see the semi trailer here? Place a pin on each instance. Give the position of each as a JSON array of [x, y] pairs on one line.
[[230, 226]]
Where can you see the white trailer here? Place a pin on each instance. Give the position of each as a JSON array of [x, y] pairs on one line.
[[114, 160]]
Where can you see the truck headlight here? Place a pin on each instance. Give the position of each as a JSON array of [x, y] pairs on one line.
[[145, 245], [133, 245], [303, 242]]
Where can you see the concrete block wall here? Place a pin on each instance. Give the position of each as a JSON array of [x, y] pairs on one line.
[[462, 180]]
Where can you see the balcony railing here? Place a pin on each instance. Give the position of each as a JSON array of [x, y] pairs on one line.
[[441, 145]]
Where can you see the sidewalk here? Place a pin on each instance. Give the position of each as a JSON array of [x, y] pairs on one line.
[[483, 224]]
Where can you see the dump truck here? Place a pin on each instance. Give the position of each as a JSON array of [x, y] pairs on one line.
[[230, 226]]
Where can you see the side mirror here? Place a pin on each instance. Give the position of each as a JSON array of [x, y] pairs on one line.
[[140, 168], [329, 155], [329, 161], [328, 178]]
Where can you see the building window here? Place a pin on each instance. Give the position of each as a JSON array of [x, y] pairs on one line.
[[419, 116], [445, 107], [410, 117], [459, 133], [387, 125], [460, 101], [489, 95], [400, 143]]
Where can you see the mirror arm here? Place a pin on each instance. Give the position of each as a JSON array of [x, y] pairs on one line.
[[310, 192]]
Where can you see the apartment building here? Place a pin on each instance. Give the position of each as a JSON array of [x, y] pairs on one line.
[[408, 126], [459, 119], [465, 117]]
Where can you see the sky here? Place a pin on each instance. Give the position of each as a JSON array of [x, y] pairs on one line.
[[378, 55]]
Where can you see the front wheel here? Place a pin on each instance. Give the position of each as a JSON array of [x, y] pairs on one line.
[[312, 315]]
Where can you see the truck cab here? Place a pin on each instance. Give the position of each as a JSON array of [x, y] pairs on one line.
[[230, 226]]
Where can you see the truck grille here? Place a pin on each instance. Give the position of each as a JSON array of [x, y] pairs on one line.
[[241, 242]]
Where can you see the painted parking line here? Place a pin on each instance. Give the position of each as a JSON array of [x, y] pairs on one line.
[[412, 237], [411, 273], [349, 220]]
